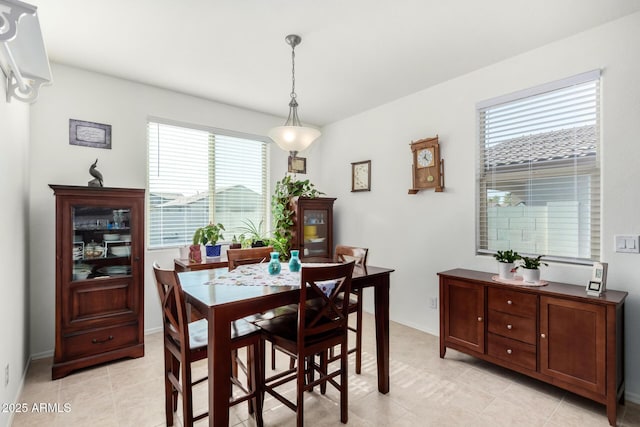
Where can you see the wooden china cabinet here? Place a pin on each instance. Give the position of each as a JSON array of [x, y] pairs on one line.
[[312, 232], [99, 276], [554, 333]]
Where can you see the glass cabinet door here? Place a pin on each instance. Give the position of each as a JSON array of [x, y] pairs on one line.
[[101, 242], [315, 232]]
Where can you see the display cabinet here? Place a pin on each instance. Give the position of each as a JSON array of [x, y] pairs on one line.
[[554, 333], [99, 276], [312, 232]]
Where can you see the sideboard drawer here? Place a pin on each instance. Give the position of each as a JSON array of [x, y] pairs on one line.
[[514, 302], [515, 327], [100, 340], [512, 351]]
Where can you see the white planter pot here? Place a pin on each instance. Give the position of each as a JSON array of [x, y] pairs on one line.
[[504, 270], [184, 252], [530, 275]]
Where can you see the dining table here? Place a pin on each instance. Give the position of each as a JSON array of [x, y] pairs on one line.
[[223, 296]]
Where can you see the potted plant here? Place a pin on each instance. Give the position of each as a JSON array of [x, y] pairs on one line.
[[209, 236], [253, 235], [235, 243], [506, 263], [284, 191], [531, 268]]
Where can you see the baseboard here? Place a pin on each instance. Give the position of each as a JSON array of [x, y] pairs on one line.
[[17, 399], [632, 397], [153, 330]]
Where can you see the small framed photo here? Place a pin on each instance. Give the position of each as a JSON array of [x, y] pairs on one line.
[[89, 134], [297, 164], [361, 176]]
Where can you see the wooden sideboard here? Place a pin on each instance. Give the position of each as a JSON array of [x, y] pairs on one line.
[[181, 265], [554, 333]]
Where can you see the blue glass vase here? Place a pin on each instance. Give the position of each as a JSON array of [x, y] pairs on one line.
[[274, 264], [294, 262]]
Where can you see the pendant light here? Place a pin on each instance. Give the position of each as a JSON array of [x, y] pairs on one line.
[[293, 137]]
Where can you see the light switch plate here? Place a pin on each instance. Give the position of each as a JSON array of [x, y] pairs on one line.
[[627, 243]]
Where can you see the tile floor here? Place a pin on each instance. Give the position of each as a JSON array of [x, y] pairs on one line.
[[425, 391]]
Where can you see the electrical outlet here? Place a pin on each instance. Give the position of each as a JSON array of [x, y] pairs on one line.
[[434, 302], [6, 375]]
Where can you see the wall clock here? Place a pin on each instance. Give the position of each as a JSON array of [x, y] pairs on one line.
[[361, 176], [428, 167]]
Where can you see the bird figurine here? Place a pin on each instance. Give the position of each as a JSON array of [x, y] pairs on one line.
[[97, 181]]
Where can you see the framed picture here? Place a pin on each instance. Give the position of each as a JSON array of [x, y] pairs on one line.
[[297, 164], [361, 176], [89, 134], [598, 283]]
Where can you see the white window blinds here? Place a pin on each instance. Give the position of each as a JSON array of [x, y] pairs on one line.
[[197, 176], [539, 174]]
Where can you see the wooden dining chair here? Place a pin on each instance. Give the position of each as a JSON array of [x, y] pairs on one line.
[[320, 324], [185, 343], [238, 257], [358, 255]]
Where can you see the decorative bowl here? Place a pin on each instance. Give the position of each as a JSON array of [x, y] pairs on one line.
[[110, 237], [121, 250]]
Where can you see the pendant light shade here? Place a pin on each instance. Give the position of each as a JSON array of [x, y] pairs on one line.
[[293, 137]]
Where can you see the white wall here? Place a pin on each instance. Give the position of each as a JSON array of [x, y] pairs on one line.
[[14, 176], [420, 235], [78, 94]]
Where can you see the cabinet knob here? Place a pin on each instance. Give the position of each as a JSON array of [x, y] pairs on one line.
[[479, 319], [509, 351], [543, 336], [509, 326], [509, 302]]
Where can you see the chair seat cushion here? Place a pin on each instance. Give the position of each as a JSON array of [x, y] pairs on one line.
[[199, 331], [270, 314], [353, 301], [283, 331]]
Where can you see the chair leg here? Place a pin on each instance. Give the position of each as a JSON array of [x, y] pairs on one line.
[[263, 371], [169, 399], [187, 404], [300, 392], [273, 357], [359, 334], [344, 402], [175, 367], [292, 362], [251, 379], [323, 371], [234, 363], [255, 361], [310, 371]]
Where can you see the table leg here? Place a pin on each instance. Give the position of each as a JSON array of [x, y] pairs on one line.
[[381, 297], [219, 361]]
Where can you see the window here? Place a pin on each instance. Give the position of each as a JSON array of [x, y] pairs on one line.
[[198, 175], [538, 185]]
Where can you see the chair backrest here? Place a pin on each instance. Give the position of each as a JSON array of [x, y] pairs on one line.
[[345, 253], [174, 312], [238, 257], [320, 311]]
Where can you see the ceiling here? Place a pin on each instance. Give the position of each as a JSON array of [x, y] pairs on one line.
[[354, 55]]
